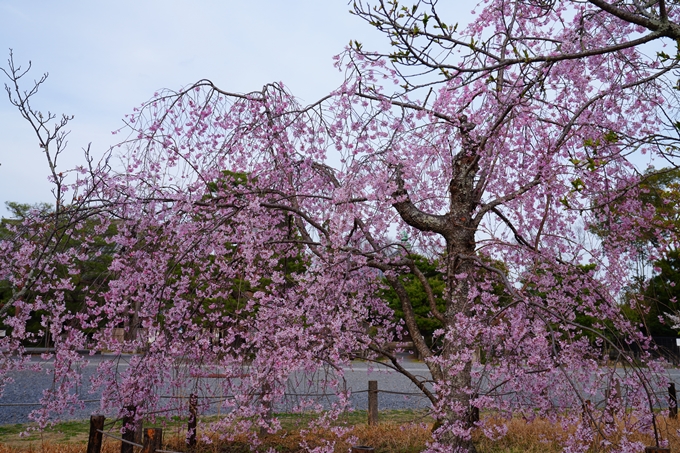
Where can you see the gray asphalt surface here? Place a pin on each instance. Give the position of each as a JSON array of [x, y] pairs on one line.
[[19, 397]]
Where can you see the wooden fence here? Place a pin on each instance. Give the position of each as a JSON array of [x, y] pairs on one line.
[[152, 439]]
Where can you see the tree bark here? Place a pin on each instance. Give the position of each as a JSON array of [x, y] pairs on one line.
[[458, 227]]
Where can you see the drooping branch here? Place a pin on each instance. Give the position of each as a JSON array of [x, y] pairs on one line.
[[486, 207], [407, 308], [399, 367], [428, 291], [518, 237], [414, 216]]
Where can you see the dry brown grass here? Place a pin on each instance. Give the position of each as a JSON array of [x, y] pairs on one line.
[[387, 437], [542, 436], [57, 447], [537, 436], [394, 437]]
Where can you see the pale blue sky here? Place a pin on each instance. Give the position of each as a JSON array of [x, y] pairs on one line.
[[104, 58]]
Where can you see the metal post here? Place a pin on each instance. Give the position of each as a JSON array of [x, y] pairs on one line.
[[372, 402], [362, 449], [94, 442]]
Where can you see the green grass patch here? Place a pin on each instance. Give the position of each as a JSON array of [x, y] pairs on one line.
[[28, 434], [76, 431]]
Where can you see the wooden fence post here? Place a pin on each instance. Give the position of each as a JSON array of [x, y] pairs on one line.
[[128, 433], [94, 441], [672, 401], [372, 402], [193, 412], [153, 439]]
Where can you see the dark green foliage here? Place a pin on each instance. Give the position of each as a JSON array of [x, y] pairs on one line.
[[661, 295], [427, 324], [648, 301], [586, 321], [662, 190], [89, 273]]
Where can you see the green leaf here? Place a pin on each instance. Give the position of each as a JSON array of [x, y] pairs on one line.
[[592, 164], [611, 137], [578, 184]]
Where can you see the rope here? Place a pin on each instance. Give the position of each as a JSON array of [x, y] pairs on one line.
[[20, 404], [111, 423], [399, 393], [134, 443], [226, 397], [160, 411], [309, 394], [199, 397], [121, 439], [39, 404]]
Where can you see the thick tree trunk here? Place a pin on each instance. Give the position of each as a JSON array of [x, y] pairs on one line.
[[457, 383], [458, 227], [455, 417]]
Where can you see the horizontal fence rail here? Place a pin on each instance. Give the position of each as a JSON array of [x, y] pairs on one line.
[[152, 437]]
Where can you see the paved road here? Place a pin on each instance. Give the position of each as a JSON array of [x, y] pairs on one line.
[[16, 402]]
